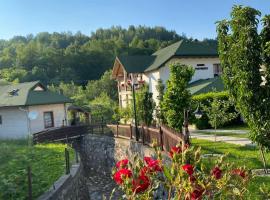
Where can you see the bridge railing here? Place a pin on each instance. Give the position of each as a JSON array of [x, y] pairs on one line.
[[67, 133], [165, 137]]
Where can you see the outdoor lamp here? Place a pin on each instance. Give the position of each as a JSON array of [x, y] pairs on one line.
[[198, 113]]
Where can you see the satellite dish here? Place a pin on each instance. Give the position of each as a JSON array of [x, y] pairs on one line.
[[32, 115]]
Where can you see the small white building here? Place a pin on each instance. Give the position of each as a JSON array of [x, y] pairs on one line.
[[201, 55], [27, 108]]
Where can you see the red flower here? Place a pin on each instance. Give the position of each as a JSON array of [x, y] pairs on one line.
[[196, 194], [175, 150], [152, 164], [122, 164], [239, 172], [216, 172], [120, 175], [188, 168], [144, 171], [140, 184]]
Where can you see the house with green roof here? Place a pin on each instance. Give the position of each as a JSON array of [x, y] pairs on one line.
[[149, 69], [27, 108]]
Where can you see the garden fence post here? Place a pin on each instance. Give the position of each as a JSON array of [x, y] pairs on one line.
[[67, 161], [130, 131], [161, 138], [29, 175]]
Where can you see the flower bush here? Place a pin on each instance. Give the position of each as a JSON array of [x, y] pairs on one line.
[[184, 176]]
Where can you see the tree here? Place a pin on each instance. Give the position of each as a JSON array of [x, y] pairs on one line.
[[160, 89], [242, 53], [145, 105], [218, 113], [177, 98]]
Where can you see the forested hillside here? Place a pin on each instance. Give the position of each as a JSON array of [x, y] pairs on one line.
[[55, 57]]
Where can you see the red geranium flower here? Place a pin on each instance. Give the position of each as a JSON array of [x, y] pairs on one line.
[[144, 170], [175, 150], [152, 164], [196, 194], [239, 172], [122, 164], [188, 168], [140, 184], [120, 175], [216, 172]]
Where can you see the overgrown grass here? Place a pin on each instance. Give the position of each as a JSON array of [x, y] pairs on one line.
[[46, 160], [240, 156]]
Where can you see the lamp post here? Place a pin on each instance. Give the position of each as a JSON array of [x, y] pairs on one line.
[[134, 107], [198, 114]]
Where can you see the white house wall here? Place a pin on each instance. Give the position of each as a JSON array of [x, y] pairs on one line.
[[151, 78], [58, 116], [164, 72], [14, 123]]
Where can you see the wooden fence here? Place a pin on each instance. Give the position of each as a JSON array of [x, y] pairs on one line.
[[164, 136]]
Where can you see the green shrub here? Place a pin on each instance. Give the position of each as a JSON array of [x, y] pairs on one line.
[[205, 100]]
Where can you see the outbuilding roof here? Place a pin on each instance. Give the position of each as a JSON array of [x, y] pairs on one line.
[[182, 48], [206, 85], [24, 94]]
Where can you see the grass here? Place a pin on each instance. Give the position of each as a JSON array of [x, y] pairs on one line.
[[240, 156], [236, 127], [46, 160], [238, 135]]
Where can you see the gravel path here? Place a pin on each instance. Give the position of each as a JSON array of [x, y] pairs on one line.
[[101, 185]]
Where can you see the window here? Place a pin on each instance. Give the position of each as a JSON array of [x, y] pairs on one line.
[[217, 69], [48, 119], [1, 120], [201, 67]]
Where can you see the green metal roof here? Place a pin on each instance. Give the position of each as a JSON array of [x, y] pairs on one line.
[[206, 85], [136, 64], [26, 95], [183, 48]]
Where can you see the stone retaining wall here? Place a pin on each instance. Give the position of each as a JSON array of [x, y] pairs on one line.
[[67, 187]]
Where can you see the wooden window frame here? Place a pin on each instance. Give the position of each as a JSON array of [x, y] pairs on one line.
[[52, 118]]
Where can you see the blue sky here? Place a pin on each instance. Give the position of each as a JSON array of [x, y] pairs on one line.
[[195, 18]]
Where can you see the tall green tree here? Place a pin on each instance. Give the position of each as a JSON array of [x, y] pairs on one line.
[[243, 53], [177, 97], [145, 105]]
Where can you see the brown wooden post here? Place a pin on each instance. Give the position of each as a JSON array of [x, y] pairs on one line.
[[29, 176], [117, 130], [130, 131], [67, 161], [161, 138]]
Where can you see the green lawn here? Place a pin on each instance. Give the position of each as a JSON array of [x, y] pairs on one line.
[[241, 156], [47, 162], [236, 127], [242, 135]]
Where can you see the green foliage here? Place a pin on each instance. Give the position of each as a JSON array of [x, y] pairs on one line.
[[103, 106], [145, 106], [57, 57], [218, 112], [205, 100], [125, 114], [160, 89], [177, 97], [242, 50], [47, 162]]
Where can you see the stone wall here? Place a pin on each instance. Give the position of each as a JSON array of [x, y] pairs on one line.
[[67, 187]]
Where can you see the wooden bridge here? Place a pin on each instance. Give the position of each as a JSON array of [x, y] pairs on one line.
[[68, 133]]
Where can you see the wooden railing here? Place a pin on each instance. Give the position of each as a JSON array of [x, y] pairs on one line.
[[67, 133], [164, 136]]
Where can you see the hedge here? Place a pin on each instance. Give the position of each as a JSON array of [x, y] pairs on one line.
[[205, 99]]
